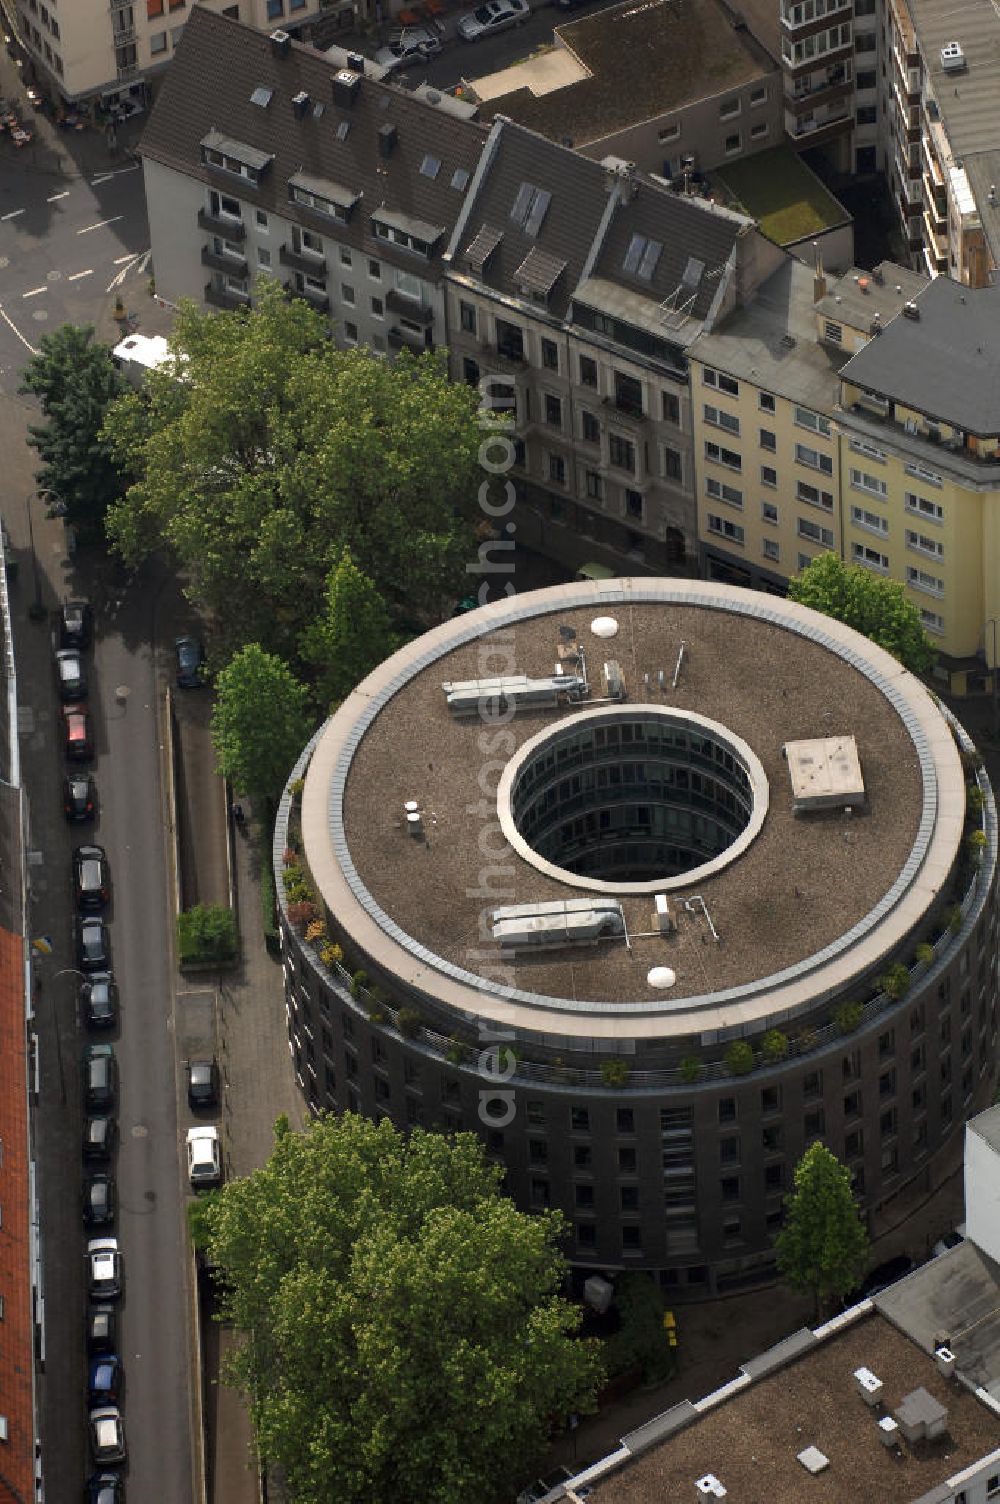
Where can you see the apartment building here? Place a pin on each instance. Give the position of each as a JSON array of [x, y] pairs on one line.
[[89, 51], [859, 417], [344, 188], [575, 287], [670, 115]]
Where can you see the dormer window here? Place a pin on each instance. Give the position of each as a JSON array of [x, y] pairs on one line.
[[235, 157], [322, 196], [407, 232]]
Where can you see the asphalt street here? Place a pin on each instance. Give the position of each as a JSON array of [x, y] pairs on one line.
[[65, 241]]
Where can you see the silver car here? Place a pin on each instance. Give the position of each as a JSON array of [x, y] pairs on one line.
[[414, 45], [495, 15]]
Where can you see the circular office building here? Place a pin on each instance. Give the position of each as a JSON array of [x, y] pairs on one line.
[[650, 883]]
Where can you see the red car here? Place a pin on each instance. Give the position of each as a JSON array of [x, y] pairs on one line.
[[79, 742]]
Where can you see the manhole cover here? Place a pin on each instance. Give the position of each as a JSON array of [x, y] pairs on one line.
[[140, 1130], [150, 1196]]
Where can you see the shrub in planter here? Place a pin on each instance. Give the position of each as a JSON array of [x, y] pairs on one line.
[[953, 918], [409, 1023], [977, 844], [924, 953], [971, 759], [358, 981], [289, 857], [377, 1015], [206, 932], [690, 1068], [296, 786], [895, 982], [847, 1017], [739, 1058], [614, 1072], [774, 1045], [316, 931], [974, 799], [301, 914], [806, 1041], [331, 955]]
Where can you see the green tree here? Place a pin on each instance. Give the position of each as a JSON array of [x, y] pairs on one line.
[[872, 605], [77, 383], [823, 1245], [403, 1334], [260, 721], [352, 637], [276, 451]]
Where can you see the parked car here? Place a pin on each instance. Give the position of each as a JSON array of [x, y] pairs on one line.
[[92, 946], [204, 1160], [202, 1083], [99, 1201], [950, 1240], [102, 1330], [100, 1135], [78, 740], [107, 1434], [105, 1488], [190, 657], [79, 797], [105, 1379], [415, 44], [91, 877], [76, 625], [105, 1274], [100, 1077], [495, 15], [99, 1001], [71, 679]]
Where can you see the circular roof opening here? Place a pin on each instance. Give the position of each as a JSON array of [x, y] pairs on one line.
[[632, 799], [604, 626], [661, 976]]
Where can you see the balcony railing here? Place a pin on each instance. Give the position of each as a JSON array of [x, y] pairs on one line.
[[229, 229], [408, 308], [316, 299], [236, 266], [127, 71], [226, 297], [302, 261]]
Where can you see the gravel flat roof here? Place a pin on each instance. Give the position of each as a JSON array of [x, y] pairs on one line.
[[802, 883]]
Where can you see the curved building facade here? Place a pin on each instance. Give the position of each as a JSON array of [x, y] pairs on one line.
[[650, 883]]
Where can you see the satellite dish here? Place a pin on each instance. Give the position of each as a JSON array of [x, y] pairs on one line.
[[661, 976], [604, 626]]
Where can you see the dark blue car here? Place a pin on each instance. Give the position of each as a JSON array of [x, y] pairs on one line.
[[105, 1488], [190, 657], [104, 1380]]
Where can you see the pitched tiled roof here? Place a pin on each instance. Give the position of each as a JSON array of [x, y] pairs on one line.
[[208, 88]]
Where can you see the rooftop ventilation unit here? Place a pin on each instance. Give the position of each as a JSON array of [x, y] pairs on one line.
[[888, 1432], [945, 1360], [910, 310], [709, 1487], [825, 773], [952, 58], [300, 104], [567, 921], [356, 62], [664, 923], [387, 138], [813, 1460], [515, 691], [869, 1386], [281, 43], [346, 87]]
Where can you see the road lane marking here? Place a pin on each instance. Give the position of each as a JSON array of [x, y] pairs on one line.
[[100, 224], [57, 196], [12, 215], [119, 172], [34, 292], [8, 321], [77, 275], [130, 257], [94, 182]]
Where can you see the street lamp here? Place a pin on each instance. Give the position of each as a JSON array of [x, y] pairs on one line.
[[36, 610], [992, 622]]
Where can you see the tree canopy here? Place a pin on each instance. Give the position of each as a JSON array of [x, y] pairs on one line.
[[823, 1245], [260, 721], [269, 451], [875, 606], [77, 383], [403, 1335], [352, 636]]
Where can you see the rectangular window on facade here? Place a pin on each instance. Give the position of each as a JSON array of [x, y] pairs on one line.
[[669, 133], [813, 496], [871, 558], [870, 521], [920, 579], [626, 1161], [769, 512], [729, 1187], [723, 528], [806, 528], [467, 317], [634, 505], [594, 484], [805, 418], [553, 410], [719, 491], [672, 464], [765, 401], [768, 475], [631, 1239], [921, 544], [771, 550], [579, 1119], [719, 418], [720, 381], [768, 440], [671, 407], [550, 355], [621, 452], [930, 511], [729, 1149], [727, 1109], [733, 144], [722, 456], [557, 469], [760, 130], [583, 1157], [588, 371], [591, 428], [628, 394], [861, 480], [933, 621], [812, 457]]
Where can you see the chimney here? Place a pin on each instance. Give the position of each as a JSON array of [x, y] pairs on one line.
[[356, 62], [281, 43], [300, 104], [819, 280], [387, 138], [346, 87]]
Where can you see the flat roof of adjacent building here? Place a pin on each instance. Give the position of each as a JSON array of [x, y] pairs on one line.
[[855, 297], [811, 904], [639, 61], [955, 1296], [945, 362], [750, 1440], [783, 194]]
